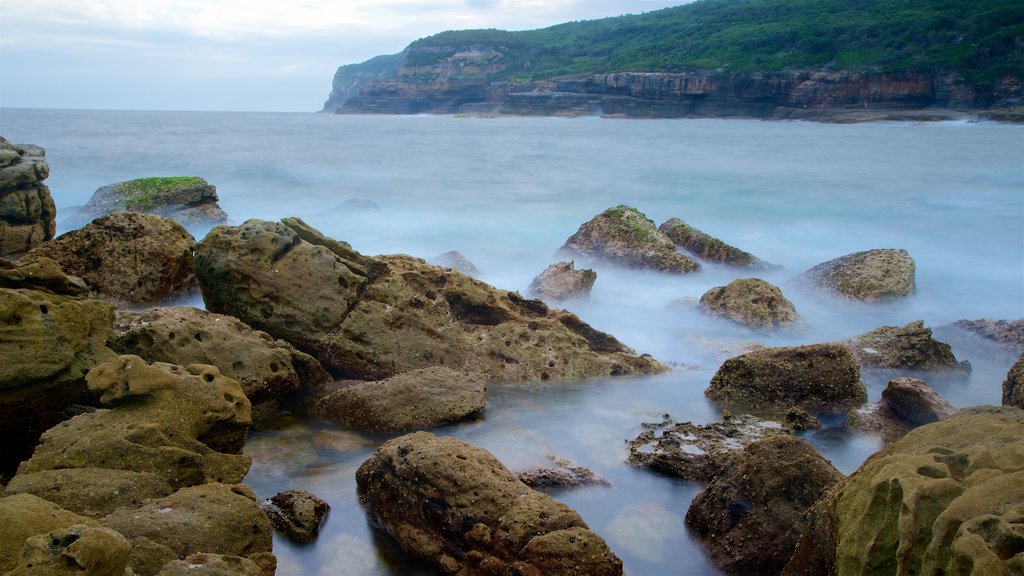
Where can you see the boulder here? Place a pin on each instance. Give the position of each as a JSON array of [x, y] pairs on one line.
[[815, 377], [751, 302], [904, 347], [455, 261], [271, 372], [698, 452], [457, 507], [561, 281], [751, 514], [948, 498], [297, 514], [23, 516], [1008, 333], [135, 258], [78, 549], [412, 400], [189, 200], [49, 338], [624, 236], [1013, 386], [869, 276], [372, 318], [709, 248], [28, 216], [916, 402]]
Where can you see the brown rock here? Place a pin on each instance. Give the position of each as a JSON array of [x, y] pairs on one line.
[[910, 347], [709, 248], [189, 200], [212, 565], [1013, 386], [869, 276], [916, 402], [78, 549], [622, 235], [751, 302], [27, 212], [561, 281], [23, 516], [297, 514], [91, 492]]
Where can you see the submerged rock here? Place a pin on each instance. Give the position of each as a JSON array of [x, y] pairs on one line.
[[697, 452], [413, 400], [190, 200], [945, 499], [751, 514], [562, 474], [373, 318], [27, 212], [457, 507], [561, 281], [622, 235], [135, 258], [456, 261], [904, 347], [869, 276], [1013, 386], [1009, 333], [751, 302], [816, 377], [270, 371], [709, 248], [297, 514]]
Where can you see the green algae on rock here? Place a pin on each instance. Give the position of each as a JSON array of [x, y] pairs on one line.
[[751, 302], [868, 276], [709, 248], [908, 347], [190, 200], [623, 235]]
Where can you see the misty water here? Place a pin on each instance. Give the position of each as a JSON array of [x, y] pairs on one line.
[[507, 192]]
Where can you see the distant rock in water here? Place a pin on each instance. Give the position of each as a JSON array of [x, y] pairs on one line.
[[190, 200], [904, 347], [906, 404], [623, 235], [27, 212], [869, 276], [1009, 333], [297, 514], [561, 281], [356, 205], [751, 302], [457, 261], [1013, 386], [709, 248]]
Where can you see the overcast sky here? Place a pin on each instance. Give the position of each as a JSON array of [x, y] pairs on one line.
[[273, 55]]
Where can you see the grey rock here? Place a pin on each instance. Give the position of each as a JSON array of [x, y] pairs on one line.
[[869, 276], [561, 281]]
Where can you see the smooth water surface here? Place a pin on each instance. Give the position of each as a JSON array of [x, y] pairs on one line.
[[506, 193]]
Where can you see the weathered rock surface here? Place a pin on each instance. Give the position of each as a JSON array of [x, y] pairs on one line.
[[297, 514], [373, 318], [1013, 386], [457, 261], [190, 200], [751, 302], [869, 276], [948, 498], [211, 565], [751, 515], [271, 372], [28, 216], [135, 258], [457, 507], [23, 516], [876, 418], [78, 549], [904, 347], [1009, 333], [624, 236], [412, 400], [562, 281], [49, 338], [562, 474], [709, 248], [906, 404], [816, 377], [698, 452], [92, 492]]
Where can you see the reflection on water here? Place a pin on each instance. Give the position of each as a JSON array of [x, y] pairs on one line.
[[507, 193]]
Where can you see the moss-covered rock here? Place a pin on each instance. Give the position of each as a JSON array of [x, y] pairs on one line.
[[562, 281], [869, 276], [904, 347], [190, 200], [751, 302], [135, 258], [457, 507], [27, 212], [623, 235], [709, 248], [1013, 386], [76, 550], [751, 515], [92, 492], [816, 377]]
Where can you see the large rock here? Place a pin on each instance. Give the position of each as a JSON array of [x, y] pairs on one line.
[[457, 507], [27, 212], [698, 452], [1013, 386], [906, 404], [76, 550], [816, 377], [622, 235], [1009, 333], [709, 248], [904, 347], [413, 400], [868, 276], [562, 281], [49, 338], [373, 318], [751, 302], [948, 499], [751, 515], [190, 200], [271, 372], [135, 258]]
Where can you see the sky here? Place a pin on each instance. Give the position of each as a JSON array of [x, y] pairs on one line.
[[245, 55]]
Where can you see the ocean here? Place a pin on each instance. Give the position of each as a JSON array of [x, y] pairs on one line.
[[507, 192]]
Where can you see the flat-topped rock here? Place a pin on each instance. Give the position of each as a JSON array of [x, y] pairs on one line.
[[190, 200], [623, 235]]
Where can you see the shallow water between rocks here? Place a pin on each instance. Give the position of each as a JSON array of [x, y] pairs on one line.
[[507, 192]]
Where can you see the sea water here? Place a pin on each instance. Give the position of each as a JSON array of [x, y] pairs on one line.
[[507, 192]]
